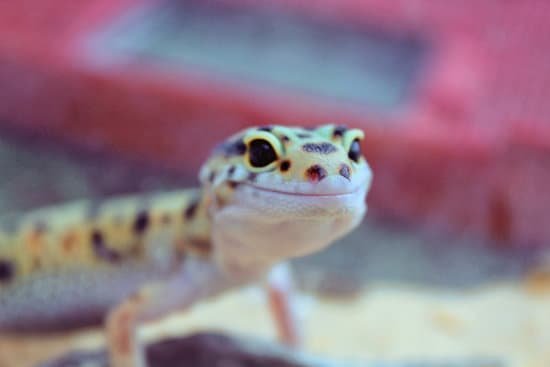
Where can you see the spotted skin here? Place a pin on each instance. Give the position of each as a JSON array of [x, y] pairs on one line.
[[323, 140], [66, 237], [123, 256], [131, 239]]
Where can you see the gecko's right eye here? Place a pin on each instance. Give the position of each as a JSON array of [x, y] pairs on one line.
[[261, 153], [354, 152]]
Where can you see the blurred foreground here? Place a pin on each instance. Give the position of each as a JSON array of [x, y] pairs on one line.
[[506, 322]]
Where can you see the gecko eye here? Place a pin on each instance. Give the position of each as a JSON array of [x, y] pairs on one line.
[[261, 153], [355, 151]]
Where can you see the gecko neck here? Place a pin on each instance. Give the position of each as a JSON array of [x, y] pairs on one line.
[[251, 241]]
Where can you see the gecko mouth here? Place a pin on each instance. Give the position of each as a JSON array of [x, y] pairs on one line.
[[336, 194], [312, 202]]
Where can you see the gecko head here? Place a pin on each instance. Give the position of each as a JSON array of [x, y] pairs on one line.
[[278, 192]]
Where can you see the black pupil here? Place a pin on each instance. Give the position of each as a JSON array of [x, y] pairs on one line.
[[261, 153], [355, 151]]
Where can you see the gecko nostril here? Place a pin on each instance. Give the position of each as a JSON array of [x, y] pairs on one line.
[[285, 166], [345, 171], [316, 173]]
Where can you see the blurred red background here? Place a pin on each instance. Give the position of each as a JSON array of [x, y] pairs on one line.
[[466, 147]]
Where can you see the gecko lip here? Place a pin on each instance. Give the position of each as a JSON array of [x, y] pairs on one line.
[[308, 194]]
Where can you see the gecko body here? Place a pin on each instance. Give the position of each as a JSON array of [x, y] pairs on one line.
[[65, 266], [268, 194]]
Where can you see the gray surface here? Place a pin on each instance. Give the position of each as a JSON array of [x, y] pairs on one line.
[[37, 171]]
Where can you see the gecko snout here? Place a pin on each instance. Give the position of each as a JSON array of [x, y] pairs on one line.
[[316, 172]]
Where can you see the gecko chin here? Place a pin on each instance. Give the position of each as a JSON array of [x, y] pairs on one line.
[[286, 223]]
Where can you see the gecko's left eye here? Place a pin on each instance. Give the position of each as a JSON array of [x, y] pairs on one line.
[[261, 153], [354, 152]]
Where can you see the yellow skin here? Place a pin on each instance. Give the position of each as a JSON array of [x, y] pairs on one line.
[[268, 194]]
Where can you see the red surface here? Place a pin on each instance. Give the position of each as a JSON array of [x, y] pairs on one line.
[[470, 151]]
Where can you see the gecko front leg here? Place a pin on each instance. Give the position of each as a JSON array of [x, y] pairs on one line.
[[281, 296], [197, 280], [122, 322]]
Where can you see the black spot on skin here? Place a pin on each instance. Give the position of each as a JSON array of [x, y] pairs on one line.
[[141, 222], [231, 171], [7, 271], [316, 173], [268, 128], [252, 176], [191, 210], [285, 139], [339, 130], [233, 184], [233, 148], [101, 250], [212, 176], [285, 166], [321, 148], [345, 171], [97, 238], [304, 135]]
